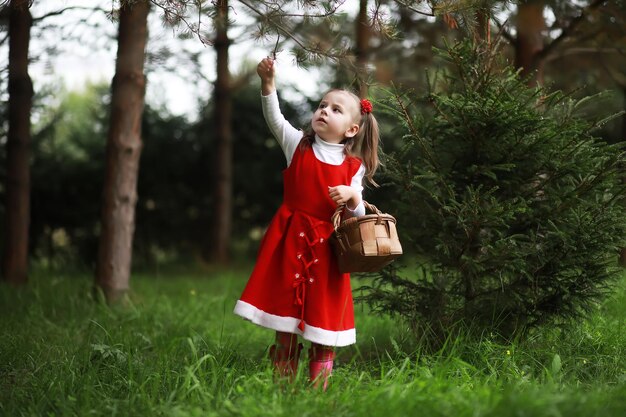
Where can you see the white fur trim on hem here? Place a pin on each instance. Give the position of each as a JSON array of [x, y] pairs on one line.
[[290, 325]]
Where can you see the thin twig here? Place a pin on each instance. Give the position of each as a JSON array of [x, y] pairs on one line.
[[505, 33], [413, 9], [581, 50], [61, 11], [375, 14], [275, 51], [331, 11]]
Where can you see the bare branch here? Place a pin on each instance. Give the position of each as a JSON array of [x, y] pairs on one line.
[[275, 51], [505, 33], [581, 50], [413, 9], [375, 14], [569, 29], [61, 11]]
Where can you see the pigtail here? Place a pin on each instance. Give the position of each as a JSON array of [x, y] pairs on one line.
[[368, 138]]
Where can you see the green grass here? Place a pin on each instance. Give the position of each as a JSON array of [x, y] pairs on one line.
[[179, 351]]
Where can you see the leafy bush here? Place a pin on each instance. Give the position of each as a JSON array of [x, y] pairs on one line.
[[513, 207]]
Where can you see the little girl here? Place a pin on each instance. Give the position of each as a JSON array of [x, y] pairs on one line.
[[296, 287]]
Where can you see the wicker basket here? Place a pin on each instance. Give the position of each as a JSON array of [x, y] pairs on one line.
[[365, 243]]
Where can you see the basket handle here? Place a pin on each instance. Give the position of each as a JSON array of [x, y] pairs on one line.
[[336, 218]]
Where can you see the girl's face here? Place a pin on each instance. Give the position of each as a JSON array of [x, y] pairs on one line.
[[334, 119]]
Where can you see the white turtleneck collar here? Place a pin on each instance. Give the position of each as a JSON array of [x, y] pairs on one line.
[[330, 153]]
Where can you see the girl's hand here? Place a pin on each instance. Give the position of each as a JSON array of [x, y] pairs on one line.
[[343, 194], [266, 72]]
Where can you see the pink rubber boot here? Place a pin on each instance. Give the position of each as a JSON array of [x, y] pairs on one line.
[[320, 365], [285, 355]]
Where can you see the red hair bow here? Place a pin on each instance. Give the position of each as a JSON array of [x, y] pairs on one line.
[[366, 106]]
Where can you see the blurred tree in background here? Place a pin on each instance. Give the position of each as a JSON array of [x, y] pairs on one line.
[[217, 248], [14, 265]]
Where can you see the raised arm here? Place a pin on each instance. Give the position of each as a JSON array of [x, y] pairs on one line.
[[288, 137], [267, 73]]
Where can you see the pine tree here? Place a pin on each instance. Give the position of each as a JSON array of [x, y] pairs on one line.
[[513, 207]]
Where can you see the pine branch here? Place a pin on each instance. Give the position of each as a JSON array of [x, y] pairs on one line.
[[176, 14], [378, 23], [407, 117], [275, 24], [290, 35], [404, 112], [280, 11]]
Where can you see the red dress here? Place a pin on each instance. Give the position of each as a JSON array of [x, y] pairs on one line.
[[296, 286]]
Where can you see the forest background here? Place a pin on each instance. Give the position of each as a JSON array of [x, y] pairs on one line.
[[177, 191], [579, 48]]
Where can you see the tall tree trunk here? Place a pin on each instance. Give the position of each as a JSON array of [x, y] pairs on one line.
[[530, 24], [622, 258], [15, 257], [122, 153], [362, 47], [218, 247]]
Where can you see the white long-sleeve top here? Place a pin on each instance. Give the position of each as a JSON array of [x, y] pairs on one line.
[[289, 138]]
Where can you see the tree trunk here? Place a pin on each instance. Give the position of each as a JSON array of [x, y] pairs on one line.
[[218, 247], [622, 258], [15, 257], [483, 26], [122, 154], [362, 46], [530, 24]]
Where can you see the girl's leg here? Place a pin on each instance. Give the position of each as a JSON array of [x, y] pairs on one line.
[[320, 364], [285, 355], [287, 341]]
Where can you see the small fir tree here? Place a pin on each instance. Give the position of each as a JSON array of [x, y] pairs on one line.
[[513, 207]]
